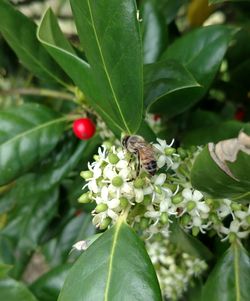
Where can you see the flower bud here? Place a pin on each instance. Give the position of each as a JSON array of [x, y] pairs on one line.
[[195, 231], [183, 154], [123, 202], [117, 181], [84, 198], [101, 208], [177, 199], [147, 200], [235, 206], [185, 219], [232, 237], [191, 205], [164, 218], [214, 218], [144, 223], [87, 174], [139, 183], [107, 144], [105, 223], [169, 151], [113, 159]]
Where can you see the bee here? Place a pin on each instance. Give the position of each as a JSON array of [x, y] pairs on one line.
[[145, 152]]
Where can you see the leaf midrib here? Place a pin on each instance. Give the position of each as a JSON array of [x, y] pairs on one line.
[[105, 67], [110, 266], [236, 273], [33, 130]]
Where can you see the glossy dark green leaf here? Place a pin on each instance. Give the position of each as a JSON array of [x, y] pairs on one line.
[[201, 52], [188, 244], [31, 205], [220, 1], [208, 177], [154, 31], [28, 133], [214, 133], [170, 8], [230, 279], [78, 228], [20, 32], [4, 269], [12, 290], [161, 80], [110, 36], [115, 267], [48, 286]]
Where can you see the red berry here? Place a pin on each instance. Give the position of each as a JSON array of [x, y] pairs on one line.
[[239, 114], [84, 128]]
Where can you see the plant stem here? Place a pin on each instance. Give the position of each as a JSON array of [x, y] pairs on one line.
[[39, 92]]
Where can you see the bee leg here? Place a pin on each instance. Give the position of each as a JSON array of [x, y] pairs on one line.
[[138, 170]]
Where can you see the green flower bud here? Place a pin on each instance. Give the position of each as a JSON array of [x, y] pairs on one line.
[[191, 205], [84, 198], [105, 223], [101, 208], [117, 181], [183, 154], [232, 237], [235, 206], [147, 200], [107, 144], [96, 157], [209, 202], [172, 187], [195, 231], [144, 223], [86, 174], [164, 218], [177, 199], [113, 159], [214, 218], [169, 151], [139, 183], [185, 219], [123, 202]]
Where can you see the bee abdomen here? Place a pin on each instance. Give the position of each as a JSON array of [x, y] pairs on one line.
[[150, 166]]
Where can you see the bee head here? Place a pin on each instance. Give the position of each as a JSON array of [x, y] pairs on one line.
[[125, 141]]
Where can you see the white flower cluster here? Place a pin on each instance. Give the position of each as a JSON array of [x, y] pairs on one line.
[[113, 184], [174, 269], [152, 202]]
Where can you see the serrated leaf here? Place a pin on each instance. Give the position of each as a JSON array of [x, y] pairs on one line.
[[100, 271], [20, 32], [28, 133], [154, 31], [110, 36], [161, 80], [201, 52], [229, 281], [48, 286], [12, 290]]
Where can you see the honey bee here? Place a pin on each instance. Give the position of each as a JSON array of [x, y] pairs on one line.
[[145, 152]]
